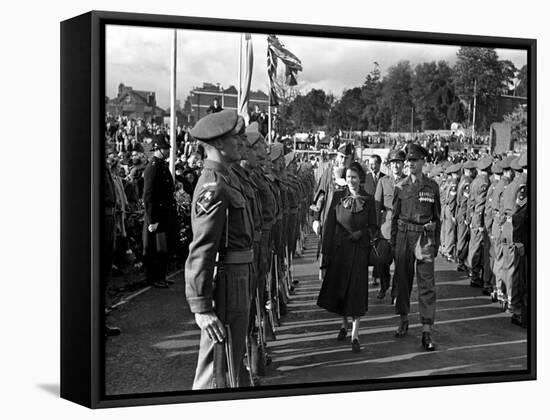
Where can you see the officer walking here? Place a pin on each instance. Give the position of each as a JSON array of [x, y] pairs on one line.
[[415, 236], [160, 223], [384, 201], [223, 236]]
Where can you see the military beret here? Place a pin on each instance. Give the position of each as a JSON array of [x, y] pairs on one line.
[[484, 163], [218, 124], [523, 159], [470, 164], [396, 154], [454, 168], [446, 164], [415, 151], [497, 167], [276, 151], [514, 164], [505, 162]]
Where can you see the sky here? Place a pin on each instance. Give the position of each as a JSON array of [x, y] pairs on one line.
[[140, 57]]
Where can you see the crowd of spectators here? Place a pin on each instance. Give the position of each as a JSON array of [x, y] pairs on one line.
[[128, 147]]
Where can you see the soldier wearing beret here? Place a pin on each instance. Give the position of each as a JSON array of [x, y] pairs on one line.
[[222, 247], [489, 243], [415, 235], [462, 214], [160, 222], [449, 211], [500, 294], [513, 238], [478, 197], [383, 199]]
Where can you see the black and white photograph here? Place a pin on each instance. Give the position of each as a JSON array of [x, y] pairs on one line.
[[294, 210]]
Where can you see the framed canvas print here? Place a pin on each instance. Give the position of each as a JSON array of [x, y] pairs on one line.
[[257, 209]]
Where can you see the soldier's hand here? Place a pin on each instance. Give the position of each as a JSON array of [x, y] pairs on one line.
[[152, 227], [211, 324], [316, 225]]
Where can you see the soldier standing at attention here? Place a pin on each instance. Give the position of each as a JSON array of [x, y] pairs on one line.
[[415, 235], [478, 197], [160, 224], [450, 210], [383, 201], [462, 227], [223, 236], [488, 241]]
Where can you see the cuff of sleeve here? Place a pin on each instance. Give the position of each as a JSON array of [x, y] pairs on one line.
[[200, 305]]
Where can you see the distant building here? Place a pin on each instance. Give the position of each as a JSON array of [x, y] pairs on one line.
[[134, 104], [200, 98]]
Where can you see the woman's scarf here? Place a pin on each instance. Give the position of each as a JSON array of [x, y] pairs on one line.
[[354, 203]]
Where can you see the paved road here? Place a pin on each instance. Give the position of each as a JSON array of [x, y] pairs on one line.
[[158, 347]]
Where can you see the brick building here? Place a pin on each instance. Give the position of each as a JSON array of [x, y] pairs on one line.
[[134, 104], [200, 98]]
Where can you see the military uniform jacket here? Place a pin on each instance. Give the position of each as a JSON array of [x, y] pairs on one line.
[[221, 221], [158, 194], [478, 197], [488, 219], [383, 201], [416, 203], [267, 199], [501, 186], [514, 200], [462, 197], [451, 196], [250, 189]]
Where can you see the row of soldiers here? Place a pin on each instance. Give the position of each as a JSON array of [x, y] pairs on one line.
[[485, 226], [249, 212]]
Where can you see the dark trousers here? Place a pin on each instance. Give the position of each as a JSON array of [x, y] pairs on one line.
[[462, 239], [474, 260], [155, 250], [488, 261], [232, 301], [415, 253]]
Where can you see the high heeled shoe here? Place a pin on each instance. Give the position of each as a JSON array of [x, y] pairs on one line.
[[342, 334], [403, 329]]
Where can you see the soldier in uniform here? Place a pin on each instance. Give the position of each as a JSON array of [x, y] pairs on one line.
[[513, 239], [160, 221], [384, 201], [500, 294], [223, 237], [462, 216], [449, 211], [478, 196], [415, 235], [488, 240]]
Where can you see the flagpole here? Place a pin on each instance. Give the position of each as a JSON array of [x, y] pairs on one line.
[[239, 90], [173, 105]]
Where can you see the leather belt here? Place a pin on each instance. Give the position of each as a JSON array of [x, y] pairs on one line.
[[244, 256], [413, 227]]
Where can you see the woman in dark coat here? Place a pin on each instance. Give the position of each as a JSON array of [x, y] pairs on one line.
[[350, 227]]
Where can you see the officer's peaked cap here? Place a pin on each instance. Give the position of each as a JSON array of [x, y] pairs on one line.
[[396, 154], [218, 124], [415, 151]]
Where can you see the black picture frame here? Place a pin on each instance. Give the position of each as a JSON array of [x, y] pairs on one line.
[[82, 111]]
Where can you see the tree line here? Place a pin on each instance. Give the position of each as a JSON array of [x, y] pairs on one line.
[[429, 96]]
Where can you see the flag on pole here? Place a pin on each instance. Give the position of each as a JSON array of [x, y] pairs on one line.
[[276, 50], [245, 70]]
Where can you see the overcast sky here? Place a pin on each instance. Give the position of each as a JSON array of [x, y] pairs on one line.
[[140, 57]]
